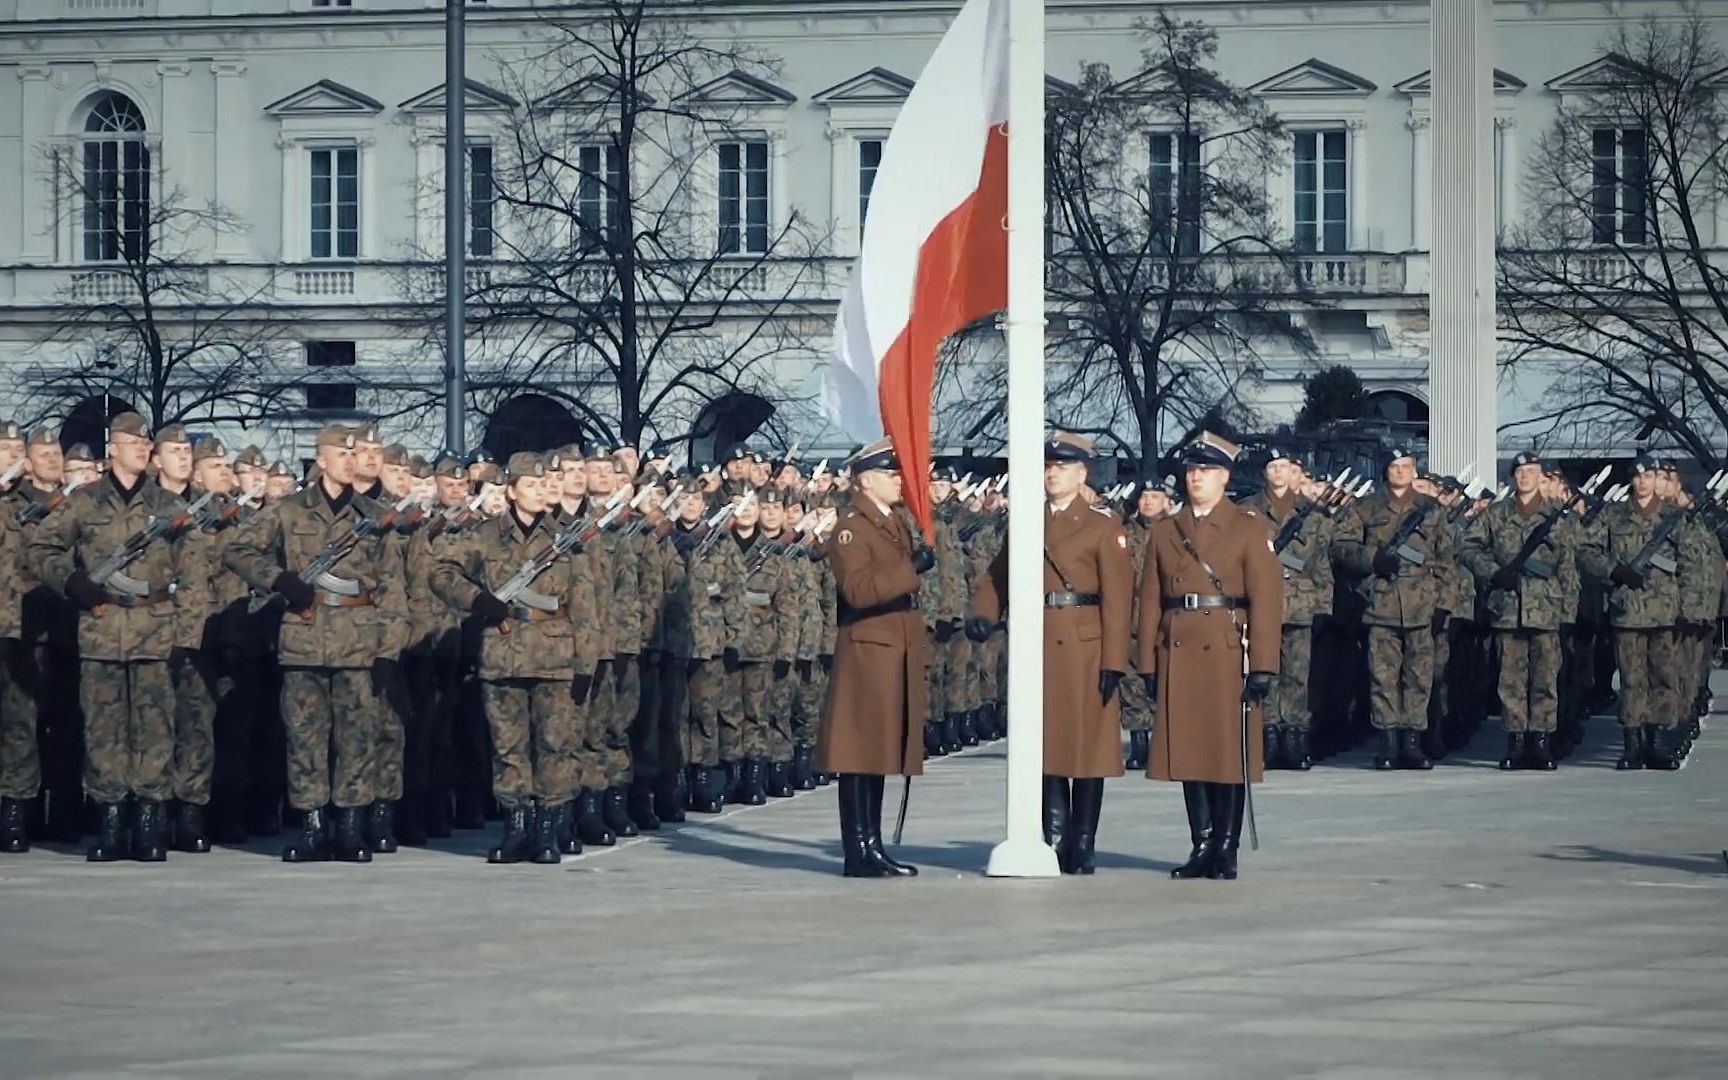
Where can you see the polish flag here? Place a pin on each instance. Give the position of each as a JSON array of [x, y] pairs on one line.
[[934, 255]]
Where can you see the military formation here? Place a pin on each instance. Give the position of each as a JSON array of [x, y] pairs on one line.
[[198, 646]]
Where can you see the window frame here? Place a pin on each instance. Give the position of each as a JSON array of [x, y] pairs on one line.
[[334, 148], [117, 242], [1321, 223], [1177, 194], [1618, 229], [745, 229]]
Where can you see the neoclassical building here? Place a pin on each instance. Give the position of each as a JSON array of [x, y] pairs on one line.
[[315, 129]]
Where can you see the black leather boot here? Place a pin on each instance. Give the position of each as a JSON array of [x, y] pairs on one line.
[[1632, 749], [1083, 824], [803, 768], [411, 819], [1538, 753], [874, 786], [381, 827], [546, 846], [779, 781], [149, 831], [707, 785], [984, 724], [951, 734], [110, 843], [1514, 756], [1661, 749], [312, 844], [967, 728], [752, 790], [1139, 749], [1410, 755], [1197, 801], [860, 861], [615, 811], [438, 824], [189, 832], [351, 843], [1056, 818], [1271, 749], [1227, 803], [14, 832], [933, 740], [591, 827], [1387, 758], [1300, 759], [671, 796], [516, 843], [641, 805]]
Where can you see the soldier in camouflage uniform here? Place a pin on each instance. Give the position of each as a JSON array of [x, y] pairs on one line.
[[338, 640], [761, 643], [20, 765], [617, 683], [1699, 605], [1151, 502], [1643, 606], [1303, 538], [656, 740], [775, 547], [815, 630], [1405, 584], [948, 599], [532, 646], [696, 621], [991, 532], [127, 637], [1528, 603], [576, 502]]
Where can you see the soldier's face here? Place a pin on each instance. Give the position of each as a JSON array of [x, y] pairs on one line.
[[398, 481], [529, 494], [10, 451], [794, 514], [368, 461], [1527, 479], [573, 478], [80, 472], [941, 491], [451, 490], [174, 461], [337, 464], [749, 513], [758, 473], [46, 463], [492, 499], [823, 483], [882, 485], [600, 477], [1400, 474], [773, 517], [215, 474], [1205, 483], [738, 468], [630, 460], [1278, 475], [788, 477], [278, 487], [1643, 486], [129, 453], [690, 507], [424, 490], [1667, 484], [1151, 504], [1063, 478], [248, 476]]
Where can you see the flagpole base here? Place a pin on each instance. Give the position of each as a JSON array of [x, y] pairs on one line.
[[1023, 858]]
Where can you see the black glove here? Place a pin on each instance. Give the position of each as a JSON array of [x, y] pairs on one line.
[[1621, 575], [492, 611], [1505, 579], [86, 593], [730, 658], [782, 668], [1108, 681], [826, 662], [579, 687], [1386, 563], [923, 560], [685, 542], [1257, 686], [978, 628], [806, 669], [1150, 682], [299, 595], [383, 669], [180, 658], [946, 630]]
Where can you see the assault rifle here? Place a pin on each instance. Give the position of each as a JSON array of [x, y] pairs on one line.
[[214, 517], [11, 475], [1651, 556], [1288, 532], [714, 526], [317, 572], [1525, 561], [111, 574], [642, 524], [33, 512], [517, 590], [807, 530], [1399, 542], [454, 516]]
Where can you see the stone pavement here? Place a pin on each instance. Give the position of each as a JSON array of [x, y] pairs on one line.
[[1461, 924]]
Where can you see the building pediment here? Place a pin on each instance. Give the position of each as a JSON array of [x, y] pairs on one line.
[[878, 86], [1314, 78], [1610, 69], [477, 97], [590, 91], [1059, 88], [739, 88], [325, 98], [1418, 85]]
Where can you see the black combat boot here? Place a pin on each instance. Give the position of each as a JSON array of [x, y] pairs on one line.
[[1632, 749], [564, 822], [516, 844], [351, 845], [873, 789], [1539, 754], [1056, 818], [381, 826], [1387, 758], [1272, 747], [1661, 749], [751, 789], [706, 787], [1196, 799], [1227, 804], [670, 796], [804, 768], [411, 819], [951, 734], [14, 834], [591, 825], [1083, 824], [313, 842], [779, 782], [149, 832], [640, 805], [110, 843], [860, 861], [615, 809], [984, 724], [933, 741], [546, 834], [1514, 756], [189, 833], [1410, 755], [967, 728], [1139, 749], [1300, 759], [438, 824]]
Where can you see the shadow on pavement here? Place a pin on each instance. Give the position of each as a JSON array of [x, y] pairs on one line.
[[1713, 864]]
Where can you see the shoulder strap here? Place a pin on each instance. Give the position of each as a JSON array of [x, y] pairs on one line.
[[1188, 545]]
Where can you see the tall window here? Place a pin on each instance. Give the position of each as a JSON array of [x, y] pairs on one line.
[[1619, 210], [869, 160], [481, 193], [1322, 191], [335, 202], [602, 169], [1175, 183], [744, 198], [116, 180]]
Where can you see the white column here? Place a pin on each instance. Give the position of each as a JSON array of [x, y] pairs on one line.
[[235, 178], [779, 198], [1357, 155], [428, 191], [370, 208], [292, 244], [838, 152], [1421, 181], [1461, 286], [1506, 129], [37, 224]]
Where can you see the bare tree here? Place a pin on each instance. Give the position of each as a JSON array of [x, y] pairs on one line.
[[1612, 291]]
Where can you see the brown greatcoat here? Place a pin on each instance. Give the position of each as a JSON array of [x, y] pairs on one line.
[[873, 719], [1082, 734], [1197, 654]]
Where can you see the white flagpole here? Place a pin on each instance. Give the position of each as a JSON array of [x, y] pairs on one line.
[[1022, 852]]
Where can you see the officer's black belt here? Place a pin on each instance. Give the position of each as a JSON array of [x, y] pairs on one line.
[[1070, 599], [909, 602], [1196, 601]]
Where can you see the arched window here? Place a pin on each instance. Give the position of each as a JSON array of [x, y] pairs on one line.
[[115, 180]]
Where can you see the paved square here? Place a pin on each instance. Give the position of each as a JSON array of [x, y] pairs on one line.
[[1462, 924]]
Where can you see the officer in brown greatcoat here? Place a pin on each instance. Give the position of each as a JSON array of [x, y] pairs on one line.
[[1210, 582], [1088, 595], [872, 722]]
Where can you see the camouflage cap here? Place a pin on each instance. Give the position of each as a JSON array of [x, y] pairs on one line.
[[395, 454], [44, 436], [488, 472], [770, 495], [599, 454], [739, 453], [252, 457], [10, 431], [78, 452], [338, 436], [524, 464], [129, 423], [280, 468], [207, 449], [481, 457], [569, 454], [419, 467], [173, 433], [450, 467], [1646, 462], [368, 433]]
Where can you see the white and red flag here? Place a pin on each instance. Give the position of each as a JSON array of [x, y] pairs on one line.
[[934, 255]]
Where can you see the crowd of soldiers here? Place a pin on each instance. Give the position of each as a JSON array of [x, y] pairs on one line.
[[197, 646]]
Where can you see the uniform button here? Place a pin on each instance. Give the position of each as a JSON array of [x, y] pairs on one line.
[[1205, 648]]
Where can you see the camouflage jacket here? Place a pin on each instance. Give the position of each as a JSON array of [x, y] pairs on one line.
[[675, 608], [1411, 596], [1700, 574], [1136, 531], [952, 599], [1540, 602], [217, 622], [620, 593], [14, 582], [1620, 534], [649, 555], [530, 646], [762, 616], [710, 596], [287, 537], [94, 523], [805, 579], [1306, 561], [46, 616], [827, 598]]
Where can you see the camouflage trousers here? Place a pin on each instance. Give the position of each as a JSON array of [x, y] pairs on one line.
[[744, 710], [657, 738], [702, 682], [1400, 676], [1138, 707], [1692, 644], [331, 717], [812, 688], [199, 688], [535, 740], [612, 706], [1649, 677], [946, 678], [985, 682], [777, 723], [1529, 679], [395, 717], [1288, 705], [20, 763], [128, 730]]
